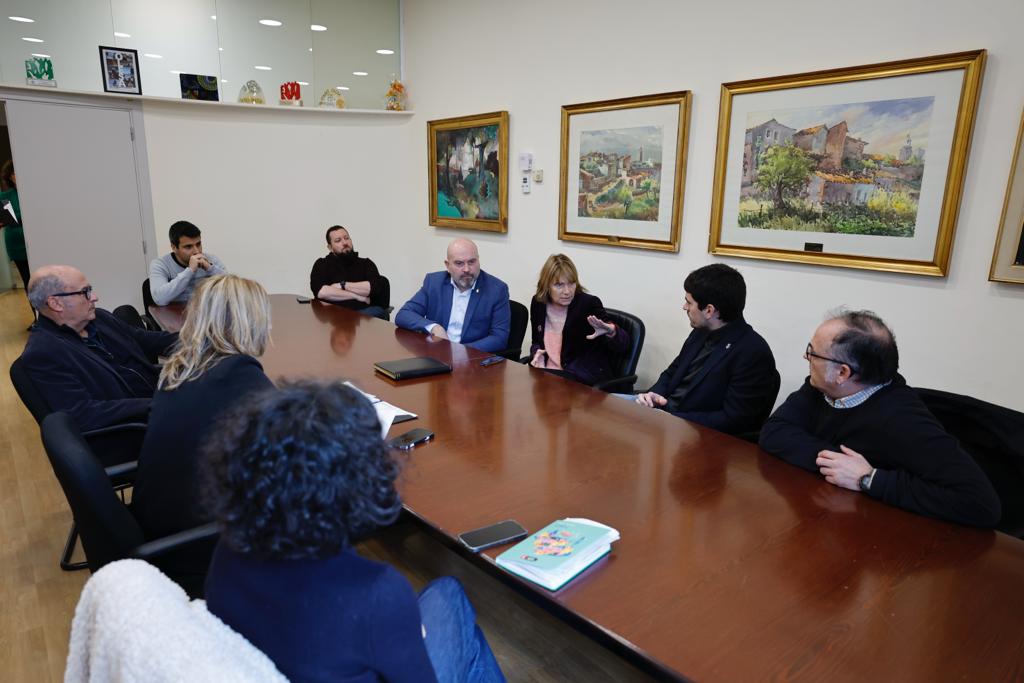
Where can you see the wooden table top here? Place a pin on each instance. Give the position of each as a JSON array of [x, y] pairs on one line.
[[169, 317], [733, 565]]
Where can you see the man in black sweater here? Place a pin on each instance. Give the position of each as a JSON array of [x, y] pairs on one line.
[[857, 422], [345, 278]]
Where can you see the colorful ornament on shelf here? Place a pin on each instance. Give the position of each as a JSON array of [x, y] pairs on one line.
[[251, 93], [332, 98], [394, 99], [291, 94]]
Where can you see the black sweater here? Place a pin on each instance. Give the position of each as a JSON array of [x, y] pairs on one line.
[[350, 267], [921, 468]]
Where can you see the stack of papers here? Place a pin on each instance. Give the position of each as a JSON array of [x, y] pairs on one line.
[[387, 413], [559, 551]]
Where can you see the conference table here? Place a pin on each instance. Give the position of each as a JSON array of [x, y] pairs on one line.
[[732, 565]]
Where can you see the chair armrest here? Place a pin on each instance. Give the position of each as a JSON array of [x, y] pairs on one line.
[[122, 469], [618, 385], [160, 546], [116, 429]]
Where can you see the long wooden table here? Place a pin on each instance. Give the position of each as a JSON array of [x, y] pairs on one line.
[[732, 566]]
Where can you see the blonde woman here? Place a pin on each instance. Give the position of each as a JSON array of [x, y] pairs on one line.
[[214, 366]]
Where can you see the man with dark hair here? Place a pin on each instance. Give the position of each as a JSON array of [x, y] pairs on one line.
[[857, 422], [724, 376], [174, 276], [345, 278], [83, 360]]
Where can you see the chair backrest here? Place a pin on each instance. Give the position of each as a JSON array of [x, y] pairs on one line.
[[635, 326], [147, 296], [994, 436], [27, 391], [129, 316], [517, 330], [107, 528]]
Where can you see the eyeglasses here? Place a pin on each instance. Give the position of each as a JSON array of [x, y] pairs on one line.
[[84, 291], [809, 354]]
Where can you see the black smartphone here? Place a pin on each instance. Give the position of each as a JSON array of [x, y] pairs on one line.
[[495, 534], [303, 299], [491, 360], [411, 438]]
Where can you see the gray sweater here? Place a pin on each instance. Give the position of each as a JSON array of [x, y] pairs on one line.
[[170, 283]]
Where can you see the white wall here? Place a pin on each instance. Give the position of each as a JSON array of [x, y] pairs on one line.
[[263, 185]]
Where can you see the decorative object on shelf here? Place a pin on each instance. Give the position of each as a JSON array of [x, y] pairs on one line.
[[468, 174], [617, 155], [197, 87], [861, 167], [119, 68], [251, 93], [332, 98], [1008, 257], [39, 71], [291, 94], [394, 99]]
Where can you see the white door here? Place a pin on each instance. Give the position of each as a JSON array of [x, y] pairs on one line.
[[79, 194]]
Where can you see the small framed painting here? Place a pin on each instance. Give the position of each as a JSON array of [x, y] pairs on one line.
[[120, 69], [1008, 257]]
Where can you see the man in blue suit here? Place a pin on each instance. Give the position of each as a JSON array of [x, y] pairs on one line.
[[724, 377], [464, 304]]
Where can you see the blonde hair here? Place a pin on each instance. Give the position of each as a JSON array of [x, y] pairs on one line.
[[227, 316], [557, 266]]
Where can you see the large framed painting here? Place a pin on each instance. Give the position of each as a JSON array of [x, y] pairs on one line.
[[469, 172], [860, 167], [1008, 257], [623, 171]]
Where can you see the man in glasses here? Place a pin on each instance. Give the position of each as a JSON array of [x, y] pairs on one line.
[[857, 422], [85, 361]]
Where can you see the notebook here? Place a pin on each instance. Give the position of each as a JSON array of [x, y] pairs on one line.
[[408, 368], [559, 551]]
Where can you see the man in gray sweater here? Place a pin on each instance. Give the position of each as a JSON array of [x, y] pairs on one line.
[[174, 276]]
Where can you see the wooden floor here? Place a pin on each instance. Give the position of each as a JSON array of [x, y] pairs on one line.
[[37, 598]]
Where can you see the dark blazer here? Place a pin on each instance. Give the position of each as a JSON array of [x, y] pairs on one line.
[[166, 496], [736, 388], [77, 380], [487, 318], [589, 361]]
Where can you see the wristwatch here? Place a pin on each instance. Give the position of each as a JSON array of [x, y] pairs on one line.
[[343, 284], [865, 481]]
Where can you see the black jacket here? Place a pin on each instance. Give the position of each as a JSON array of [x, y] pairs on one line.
[[737, 385], [588, 360], [921, 468], [78, 380]]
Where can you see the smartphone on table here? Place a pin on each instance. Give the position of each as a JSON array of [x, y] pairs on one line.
[[493, 534], [411, 438]]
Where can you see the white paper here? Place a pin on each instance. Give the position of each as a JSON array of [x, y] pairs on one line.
[[386, 412]]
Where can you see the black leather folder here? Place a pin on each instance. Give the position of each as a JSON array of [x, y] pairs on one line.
[[408, 368]]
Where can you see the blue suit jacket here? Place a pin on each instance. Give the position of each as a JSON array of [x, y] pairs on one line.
[[487, 317], [737, 386]]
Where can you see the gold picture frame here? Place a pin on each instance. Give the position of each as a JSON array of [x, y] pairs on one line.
[[461, 151], [1008, 255], [618, 198], [872, 159]]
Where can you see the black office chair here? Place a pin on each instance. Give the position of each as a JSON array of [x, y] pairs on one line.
[[386, 287], [129, 316], [147, 301], [117, 444], [994, 436], [625, 368], [517, 330], [108, 529]]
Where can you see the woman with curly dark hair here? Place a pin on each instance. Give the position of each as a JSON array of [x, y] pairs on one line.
[[294, 477]]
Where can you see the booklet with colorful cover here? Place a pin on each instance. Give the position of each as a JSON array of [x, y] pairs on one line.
[[559, 551]]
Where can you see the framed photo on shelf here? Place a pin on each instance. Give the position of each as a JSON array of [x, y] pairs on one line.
[[468, 172], [120, 69], [623, 171], [861, 167], [1008, 256]]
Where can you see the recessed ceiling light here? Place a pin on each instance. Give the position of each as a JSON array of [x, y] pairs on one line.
[[262, 68], [310, 49], [33, 40], [317, 27], [223, 80], [220, 49], [270, 22], [342, 87], [37, 54], [152, 56], [385, 52], [118, 34], [24, 20], [302, 82], [214, 17], [360, 73]]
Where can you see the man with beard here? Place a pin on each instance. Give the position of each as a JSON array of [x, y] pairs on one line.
[[345, 278]]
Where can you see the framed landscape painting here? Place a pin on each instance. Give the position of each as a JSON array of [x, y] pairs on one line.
[[468, 159], [1008, 257], [623, 169], [860, 167]]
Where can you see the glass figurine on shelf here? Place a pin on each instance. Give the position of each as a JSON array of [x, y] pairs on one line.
[[394, 99], [332, 98], [251, 93]]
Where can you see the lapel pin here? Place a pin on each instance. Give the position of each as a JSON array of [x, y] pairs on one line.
[[728, 346]]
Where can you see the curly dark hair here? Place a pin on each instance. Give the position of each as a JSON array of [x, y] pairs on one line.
[[300, 472]]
